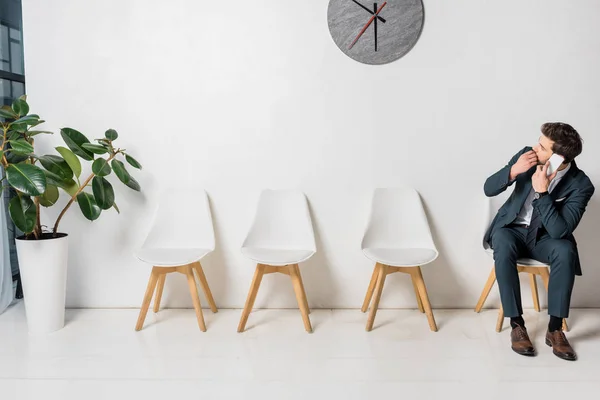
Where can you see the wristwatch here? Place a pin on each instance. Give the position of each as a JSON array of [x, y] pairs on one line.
[[540, 195]]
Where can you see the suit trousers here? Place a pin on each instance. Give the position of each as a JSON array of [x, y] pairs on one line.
[[509, 244]]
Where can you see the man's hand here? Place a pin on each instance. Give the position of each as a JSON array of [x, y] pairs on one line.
[[540, 181], [523, 164]]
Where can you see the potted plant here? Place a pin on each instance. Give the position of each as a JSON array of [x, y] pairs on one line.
[[42, 251]]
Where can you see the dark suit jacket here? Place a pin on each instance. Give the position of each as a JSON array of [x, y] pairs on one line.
[[561, 211]]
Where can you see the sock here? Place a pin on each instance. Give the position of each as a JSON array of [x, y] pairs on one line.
[[555, 323], [514, 321]]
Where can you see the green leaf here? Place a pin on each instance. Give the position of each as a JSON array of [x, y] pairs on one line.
[[51, 178], [103, 192], [21, 128], [88, 206], [14, 135], [34, 133], [100, 167], [36, 123], [95, 148], [8, 113], [133, 184], [23, 213], [71, 159], [75, 140], [1, 154], [14, 158], [120, 171], [111, 134], [50, 196], [26, 178], [133, 162], [68, 185], [21, 147], [116, 208], [27, 120], [20, 107], [57, 165]]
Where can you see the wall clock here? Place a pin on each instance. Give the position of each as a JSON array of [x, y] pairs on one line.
[[375, 32]]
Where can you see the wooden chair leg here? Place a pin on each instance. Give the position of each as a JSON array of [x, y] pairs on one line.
[[195, 298], [303, 290], [370, 289], [205, 287], [258, 274], [159, 291], [486, 290], [534, 292], [500, 321], [419, 301], [423, 292], [546, 278], [300, 297], [378, 290], [147, 299]]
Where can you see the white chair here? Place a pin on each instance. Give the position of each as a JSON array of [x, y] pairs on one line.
[[181, 235], [527, 265], [281, 237], [398, 239]]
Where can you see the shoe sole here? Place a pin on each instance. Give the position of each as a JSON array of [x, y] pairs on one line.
[[526, 354], [557, 355]]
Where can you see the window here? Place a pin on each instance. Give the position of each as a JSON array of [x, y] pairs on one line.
[[12, 72], [12, 85]]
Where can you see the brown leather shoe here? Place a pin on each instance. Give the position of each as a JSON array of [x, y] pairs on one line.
[[560, 345], [520, 342]]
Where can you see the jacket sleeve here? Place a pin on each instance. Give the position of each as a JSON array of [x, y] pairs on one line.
[[497, 183], [560, 224]]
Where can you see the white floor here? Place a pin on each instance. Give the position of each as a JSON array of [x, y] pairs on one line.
[[98, 355]]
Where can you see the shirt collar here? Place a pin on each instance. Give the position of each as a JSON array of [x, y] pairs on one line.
[[562, 173]]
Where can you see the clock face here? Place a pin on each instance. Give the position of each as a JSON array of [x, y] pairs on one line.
[[375, 32]]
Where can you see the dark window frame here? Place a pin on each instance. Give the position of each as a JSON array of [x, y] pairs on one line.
[[19, 78]]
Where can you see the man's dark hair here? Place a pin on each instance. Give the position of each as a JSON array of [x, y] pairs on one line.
[[567, 142]]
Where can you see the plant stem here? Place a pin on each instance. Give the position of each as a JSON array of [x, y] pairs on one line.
[[32, 159], [37, 230], [3, 161], [81, 187]]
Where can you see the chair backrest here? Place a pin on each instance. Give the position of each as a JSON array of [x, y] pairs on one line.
[[397, 220], [492, 205], [182, 221], [282, 220]]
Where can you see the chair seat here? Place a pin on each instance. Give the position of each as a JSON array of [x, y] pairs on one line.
[[401, 257], [527, 262], [276, 257], [170, 257]]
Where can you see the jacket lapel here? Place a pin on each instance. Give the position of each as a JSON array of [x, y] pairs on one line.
[[565, 183]]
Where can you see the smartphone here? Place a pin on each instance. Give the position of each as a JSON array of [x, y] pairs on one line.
[[555, 162]]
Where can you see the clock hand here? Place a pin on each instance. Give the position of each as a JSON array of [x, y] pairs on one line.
[[369, 11], [375, 25], [366, 26]]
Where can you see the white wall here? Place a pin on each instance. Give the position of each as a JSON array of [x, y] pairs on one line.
[[246, 95]]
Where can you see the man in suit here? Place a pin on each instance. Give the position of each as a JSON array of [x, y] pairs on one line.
[[538, 221]]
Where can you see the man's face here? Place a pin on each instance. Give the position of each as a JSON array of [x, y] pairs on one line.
[[543, 149]]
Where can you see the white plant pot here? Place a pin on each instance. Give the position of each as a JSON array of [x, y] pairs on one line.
[[43, 267]]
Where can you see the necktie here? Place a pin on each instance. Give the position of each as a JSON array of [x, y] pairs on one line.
[[532, 232]]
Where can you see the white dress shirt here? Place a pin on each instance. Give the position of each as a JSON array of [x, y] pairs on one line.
[[524, 217]]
